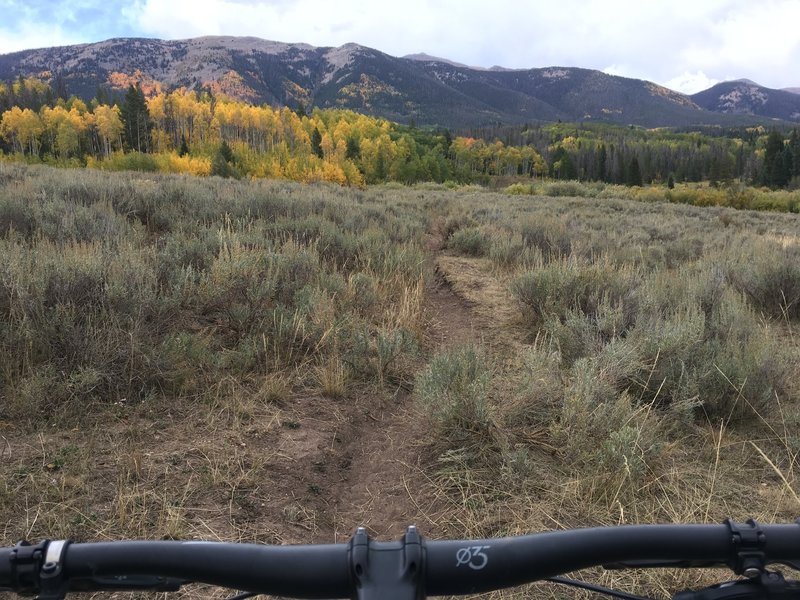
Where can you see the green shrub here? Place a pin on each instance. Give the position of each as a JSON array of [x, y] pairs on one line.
[[770, 278], [519, 189], [185, 361], [549, 236], [567, 189], [578, 334], [387, 260], [132, 161], [470, 242], [338, 249], [363, 292], [77, 286], [702, 351], [563, 287], [16, 215], [452, 390], [650, 194], [508, 250], [607, 432], [450, 225], [295, 267], [541, 391]]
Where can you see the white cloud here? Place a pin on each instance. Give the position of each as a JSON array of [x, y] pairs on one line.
[[691, 83], [318, 22], [29, 24], [35, 36]]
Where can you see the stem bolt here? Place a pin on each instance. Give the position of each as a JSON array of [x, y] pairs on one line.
[[752, 573]]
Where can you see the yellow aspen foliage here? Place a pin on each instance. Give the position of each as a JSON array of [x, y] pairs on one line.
[[108, 123], [328, 148], [23, 128], [172, 163]]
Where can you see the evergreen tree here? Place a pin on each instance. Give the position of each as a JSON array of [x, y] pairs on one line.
[[448, 141], [226, 152], [563, 166], [221, 163], [788, 165], [184, 149], [102, 96], [774, 167], [136, 120], [794, 144], [61, 87], [353, 151], [602, 158], [380, 168], [221, 167], [714, 172], [634, 173], [316, 142]]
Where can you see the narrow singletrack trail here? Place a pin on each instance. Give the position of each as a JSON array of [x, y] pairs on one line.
[[365, 460]]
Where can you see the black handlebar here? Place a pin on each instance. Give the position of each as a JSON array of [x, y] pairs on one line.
[[403, 570]]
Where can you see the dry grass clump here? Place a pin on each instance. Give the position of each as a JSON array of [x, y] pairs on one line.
[[452, 389], [768, 274]]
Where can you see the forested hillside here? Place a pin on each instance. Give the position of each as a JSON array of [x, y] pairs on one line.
[[203, 133]]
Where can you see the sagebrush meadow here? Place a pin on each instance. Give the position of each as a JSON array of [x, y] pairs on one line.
[[258, 360]]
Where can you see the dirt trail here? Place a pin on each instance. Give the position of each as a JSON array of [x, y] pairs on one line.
[[385, 487], [360, 461], [379, 480], [492, 310]]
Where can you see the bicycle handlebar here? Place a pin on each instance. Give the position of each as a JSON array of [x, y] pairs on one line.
[[410, 568]]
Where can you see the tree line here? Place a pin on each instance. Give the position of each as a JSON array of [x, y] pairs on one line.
[[637, 156], [201, 133]]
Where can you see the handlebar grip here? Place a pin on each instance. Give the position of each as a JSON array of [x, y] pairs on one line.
[[19, 567], [5, 569]]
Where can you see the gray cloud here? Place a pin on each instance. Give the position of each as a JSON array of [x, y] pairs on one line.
[[685, 44]]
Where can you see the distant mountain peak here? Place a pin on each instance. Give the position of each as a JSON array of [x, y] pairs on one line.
[[426, 89], [423, 57], [428, 58], [747, 81], [745, 97], [339, 58]]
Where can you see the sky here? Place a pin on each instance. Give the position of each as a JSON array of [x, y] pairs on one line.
[[686, 45]]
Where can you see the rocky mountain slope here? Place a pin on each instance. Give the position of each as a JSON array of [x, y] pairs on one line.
[[745, 97], [419, 88]]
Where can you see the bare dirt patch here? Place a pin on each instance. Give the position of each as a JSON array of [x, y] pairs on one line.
[[491, 312]]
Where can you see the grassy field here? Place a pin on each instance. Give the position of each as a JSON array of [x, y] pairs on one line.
[[201, 358]]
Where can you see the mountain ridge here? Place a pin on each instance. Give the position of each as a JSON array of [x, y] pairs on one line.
[[745, 97], [417, 88]]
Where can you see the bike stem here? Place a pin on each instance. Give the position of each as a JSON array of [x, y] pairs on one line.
[[387, 570]]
